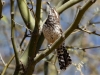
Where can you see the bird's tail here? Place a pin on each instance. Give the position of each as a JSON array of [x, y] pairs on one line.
[[63, 57]]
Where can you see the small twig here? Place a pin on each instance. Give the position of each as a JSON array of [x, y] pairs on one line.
[[11, 66], [2, 60], [91, 23], [87, 31], [88, 24], [92, 47], [79, 67], [22, 26], [7, 65], [84, 49], [25, 35], [77, 48]]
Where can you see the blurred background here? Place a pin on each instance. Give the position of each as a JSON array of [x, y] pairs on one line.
[[84, 48]]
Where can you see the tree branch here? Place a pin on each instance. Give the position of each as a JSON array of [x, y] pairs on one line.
[[84, 49], [25, 13], [66, 33], [89, 32], [6, 66], [25, 35], [30, 52], [67, 5], [12, 36]]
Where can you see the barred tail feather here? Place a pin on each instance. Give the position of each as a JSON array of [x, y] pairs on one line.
[[63, 57]]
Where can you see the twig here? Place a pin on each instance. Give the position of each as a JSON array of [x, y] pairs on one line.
[[22, 26], [2, 60], [77, 48], [25, 35], [79, 67], [87, 31], [7, 65], [84, 49], [11, 66], [31, 9], [92, 47], [89, 23], [22, 41], [94, 23]]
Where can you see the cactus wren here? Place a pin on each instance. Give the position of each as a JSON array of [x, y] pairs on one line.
[[52, 31]]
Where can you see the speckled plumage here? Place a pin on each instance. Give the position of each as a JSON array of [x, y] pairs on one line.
[[52, 31]]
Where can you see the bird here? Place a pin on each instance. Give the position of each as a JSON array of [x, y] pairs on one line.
[[52, 30]]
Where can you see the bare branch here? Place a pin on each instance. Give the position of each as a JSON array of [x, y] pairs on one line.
[[77, 48], [87, 31], [22, 26], [25, 35], [7, 65], [84, 49], [94, 23], [30, 53], [11, 66], [13, 39]]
